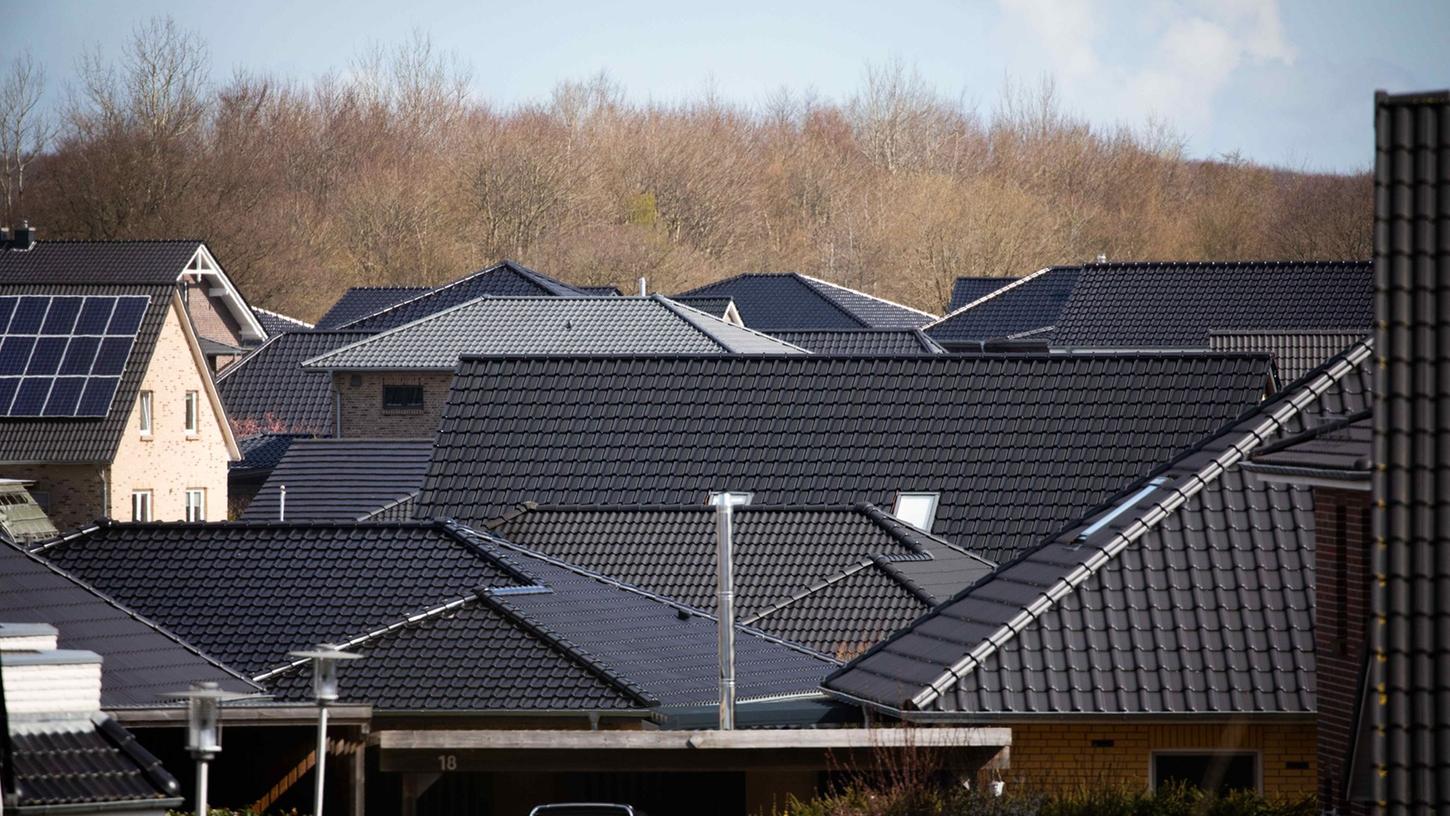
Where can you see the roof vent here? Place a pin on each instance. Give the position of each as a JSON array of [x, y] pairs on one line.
[[1102, 257], [23, 237], [643, 287]]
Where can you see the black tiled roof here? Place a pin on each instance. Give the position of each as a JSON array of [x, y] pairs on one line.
[[1294, 352], [794, 302], [1016, 444], [785, 558], [506, 279], [361, 301], [1342, 450], [601, 291], [716, 306], [966, 290], [87, 762], [1406, 758], [262, 452], [270, 387], [1190, 593], [92, 263], [276, 323], [862, 341], [140, 659], [1178, 304], [342, 479], [248, 593], [86, 440], [1030, 306]]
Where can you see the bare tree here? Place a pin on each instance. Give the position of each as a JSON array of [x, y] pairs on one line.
[[25, 130]]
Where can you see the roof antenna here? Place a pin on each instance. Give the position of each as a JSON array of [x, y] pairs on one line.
[[282, 504], [643, 288]]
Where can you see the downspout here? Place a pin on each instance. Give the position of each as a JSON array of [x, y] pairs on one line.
[[105, 492]]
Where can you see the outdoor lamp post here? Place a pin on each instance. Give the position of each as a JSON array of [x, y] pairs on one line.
[[204, 729], [324, 689]]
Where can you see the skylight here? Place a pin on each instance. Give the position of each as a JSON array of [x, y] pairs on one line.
[[1122, 508], [917, 509], [735, 498]]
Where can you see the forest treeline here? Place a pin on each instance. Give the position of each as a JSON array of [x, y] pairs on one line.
[[393, 173]]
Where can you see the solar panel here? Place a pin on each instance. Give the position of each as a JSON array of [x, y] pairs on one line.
[[63, 355]]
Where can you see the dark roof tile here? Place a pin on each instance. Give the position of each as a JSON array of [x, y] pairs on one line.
[[794, 302], [1027, 307], [361, 301], [270, 389], [342, 479]]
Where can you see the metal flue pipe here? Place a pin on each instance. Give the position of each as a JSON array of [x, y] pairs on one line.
[[282, 503], [725, 609], [643, 287]]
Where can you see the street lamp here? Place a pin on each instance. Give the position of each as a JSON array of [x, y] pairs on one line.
[[324, 689], [204, 728]]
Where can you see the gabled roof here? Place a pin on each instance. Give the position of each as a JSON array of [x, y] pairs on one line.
[[968, 289], [88, 766], [270, 388], [547, 325], [360, 301], [861, 341], [1190, 593], [124, 263], [140, 659], [1154, 304], [1016, 444], [72, 440], [791, 301], [341, 479], [276, 323], [1029, 306], [250, 592], [787, 559], [506, 279], [1295, 353]]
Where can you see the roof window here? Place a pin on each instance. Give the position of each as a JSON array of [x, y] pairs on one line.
[[917, 509]]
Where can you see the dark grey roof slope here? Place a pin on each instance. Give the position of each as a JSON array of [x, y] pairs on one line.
[[140, 660], [92, 263], [795, 302], [87, 440], [601, 291], [1405, 757], [270, 388], [717, 306], [342, 479], [276, 323], [965, 290], [360, 301], [547, 325], [1190, 593], [1028, 307], [507, 279], [1341, 451], [1178, 304], [1295, 352], [249, 593], [784, 555], [1016, 444], [862, 341], [87, 766], [262, 452]]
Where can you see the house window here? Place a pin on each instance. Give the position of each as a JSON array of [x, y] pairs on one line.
[[917, 509], [144, 409], [191, 408], [402, 396], [735, 498], [196, 504], [1216, 771], [140, 505]]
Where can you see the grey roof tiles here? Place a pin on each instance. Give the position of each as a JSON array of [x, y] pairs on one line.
[[93, 263], [360, 301], [87, 766], [276, 323], [861, 341], [507, 279], [794, 302], [1295, 352], [1029, 306], [269, 388], [341, 479], [968, 289], [1015, 444]]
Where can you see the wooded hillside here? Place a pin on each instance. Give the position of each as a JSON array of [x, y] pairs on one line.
[[393, 173]]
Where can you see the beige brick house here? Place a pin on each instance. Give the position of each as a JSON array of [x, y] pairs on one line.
[[106, 396]]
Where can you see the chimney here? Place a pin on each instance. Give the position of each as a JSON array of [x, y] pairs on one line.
[[725, 608], [43, 681], [643, 287], [24, 237]]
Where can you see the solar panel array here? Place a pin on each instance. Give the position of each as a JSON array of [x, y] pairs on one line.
[[63, 355]]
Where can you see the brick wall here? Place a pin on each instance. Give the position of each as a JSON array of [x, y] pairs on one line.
[[209, 317], [171, 461], [1341, 609], [363, 414], [1062, 756], [72, 495]]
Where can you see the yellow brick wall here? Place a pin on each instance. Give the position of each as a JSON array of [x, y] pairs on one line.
[[171, 461], [1061, 756]]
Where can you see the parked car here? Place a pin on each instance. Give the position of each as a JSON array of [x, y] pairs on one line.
[[586, 809]]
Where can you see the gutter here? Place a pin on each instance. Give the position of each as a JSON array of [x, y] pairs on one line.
[[125, 806]]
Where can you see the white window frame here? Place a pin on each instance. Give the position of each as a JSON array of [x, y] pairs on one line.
[[199, 493], [933, 499], [146, 418], [193, 409], [1258, 762], [142, 505], [737, 498]]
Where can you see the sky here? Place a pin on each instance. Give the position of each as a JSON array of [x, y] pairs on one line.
[[1283, 83]]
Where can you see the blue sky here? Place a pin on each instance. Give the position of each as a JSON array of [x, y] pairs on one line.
[[1288, 83]]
